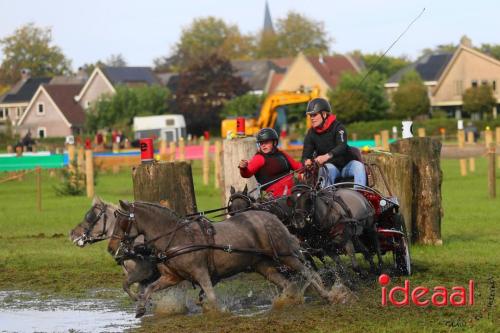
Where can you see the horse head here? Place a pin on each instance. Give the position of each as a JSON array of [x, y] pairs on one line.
[[239, 201], [301, 202], [96, 225]]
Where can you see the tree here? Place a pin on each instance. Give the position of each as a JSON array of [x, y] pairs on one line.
[[295, 33], [89, 68], [30, 47], [204, 37], [118, 110], [440, 48], [116, 60], [244, 105], [479, 100], [411, 99], [203, 90], [491, 49], [354, 102], [387, 65]]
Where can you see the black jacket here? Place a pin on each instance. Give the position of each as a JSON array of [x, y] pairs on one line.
[[333, 141]]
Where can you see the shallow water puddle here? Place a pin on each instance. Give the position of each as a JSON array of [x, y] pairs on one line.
[[27, 312]]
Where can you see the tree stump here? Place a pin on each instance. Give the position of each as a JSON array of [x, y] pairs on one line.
[[170, 184], [427, 210], [396, 168], [233, 151]]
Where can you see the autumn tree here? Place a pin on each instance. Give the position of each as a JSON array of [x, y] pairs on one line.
[[411, 99], [479, 100], [356, 100], [119, 110], [31, 47], [204, 37], [203, 90], [295, 33]]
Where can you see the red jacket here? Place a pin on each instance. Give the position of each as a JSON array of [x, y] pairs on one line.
[[277, 189]]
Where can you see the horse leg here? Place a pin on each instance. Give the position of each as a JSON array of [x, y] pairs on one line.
[[351, 252], [312, 277], [126, 287], [269, 271], [377, 248], [164, 281], [366, 253], [205, 282]]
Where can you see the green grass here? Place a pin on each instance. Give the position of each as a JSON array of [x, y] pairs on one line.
[[36, 254]]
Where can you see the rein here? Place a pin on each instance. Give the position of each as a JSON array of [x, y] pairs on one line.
[[92, 220]]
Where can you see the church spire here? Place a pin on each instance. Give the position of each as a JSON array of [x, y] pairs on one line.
[[268, 23]]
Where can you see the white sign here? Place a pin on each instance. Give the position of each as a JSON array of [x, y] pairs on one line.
[[460, 124], [407, 130]]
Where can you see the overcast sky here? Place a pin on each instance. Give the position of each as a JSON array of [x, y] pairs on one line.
[[92, 30]]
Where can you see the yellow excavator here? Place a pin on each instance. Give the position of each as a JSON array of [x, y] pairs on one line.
[[268, 113]]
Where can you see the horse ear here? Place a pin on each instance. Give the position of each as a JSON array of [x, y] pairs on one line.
[[124, 204], [96, 200], [245, 190], [232, 190]]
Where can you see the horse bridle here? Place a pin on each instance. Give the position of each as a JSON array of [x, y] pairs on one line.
[[306, 214], [91, 218]]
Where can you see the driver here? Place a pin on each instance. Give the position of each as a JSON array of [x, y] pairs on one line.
[[270, 163], [327, 141]]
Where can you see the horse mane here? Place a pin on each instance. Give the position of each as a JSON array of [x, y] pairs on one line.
[[159, 207]]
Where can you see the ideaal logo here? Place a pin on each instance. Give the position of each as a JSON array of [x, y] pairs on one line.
[[423, 296]]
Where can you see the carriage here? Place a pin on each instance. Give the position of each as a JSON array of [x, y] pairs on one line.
[[389, 223]]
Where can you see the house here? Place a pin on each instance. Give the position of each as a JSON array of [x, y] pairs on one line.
[[309, 71], [103, 81], [15, 101], [53, 112], [257, 73], [448, 74]]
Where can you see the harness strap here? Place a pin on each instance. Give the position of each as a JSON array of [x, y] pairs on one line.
[[208, 231]]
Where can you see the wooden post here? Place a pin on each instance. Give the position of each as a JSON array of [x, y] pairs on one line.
[[354, 136], [182, 150], [10, 149], [217, 163], [378, 141], [461, 138], [497, 135], [89, 172], [284, 143], [233, 151], [71, 155], [463, 167], [400, 183], [385, 139], [427, 179], [472, 164], [80, 159], [206, 161], [172, 151], [488, 137], [116, 147], [470, 137], [163, 150], [421, 132], [170, 184], [38, 172], [491, 171], [19, 151]]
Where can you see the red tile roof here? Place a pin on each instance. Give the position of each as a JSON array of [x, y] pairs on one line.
[[275, 80], [331, 67], [63, 95]]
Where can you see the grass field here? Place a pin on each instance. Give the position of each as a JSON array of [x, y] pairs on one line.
[[36, 254]]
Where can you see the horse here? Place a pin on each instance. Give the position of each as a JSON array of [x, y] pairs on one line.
[[339, 218], [97, 225], [204, 253]]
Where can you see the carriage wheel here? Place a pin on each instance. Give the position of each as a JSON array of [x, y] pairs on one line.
[[402, 259]]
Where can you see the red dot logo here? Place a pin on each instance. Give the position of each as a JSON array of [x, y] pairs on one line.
[[384, 279]]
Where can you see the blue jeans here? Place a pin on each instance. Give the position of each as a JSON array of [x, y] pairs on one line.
[[330, 173]]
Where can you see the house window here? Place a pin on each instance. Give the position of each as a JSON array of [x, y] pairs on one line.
[[2, 115], [484, 82], [18, 112], [87, 104], [494, 85], [42, 132], [474, 83], [40, 108]]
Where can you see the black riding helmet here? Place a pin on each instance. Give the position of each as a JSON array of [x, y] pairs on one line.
[[266, 134], [317, 105]]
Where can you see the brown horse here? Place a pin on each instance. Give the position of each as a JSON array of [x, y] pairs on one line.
[[204, 253], [98, 225], [339, 218]]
